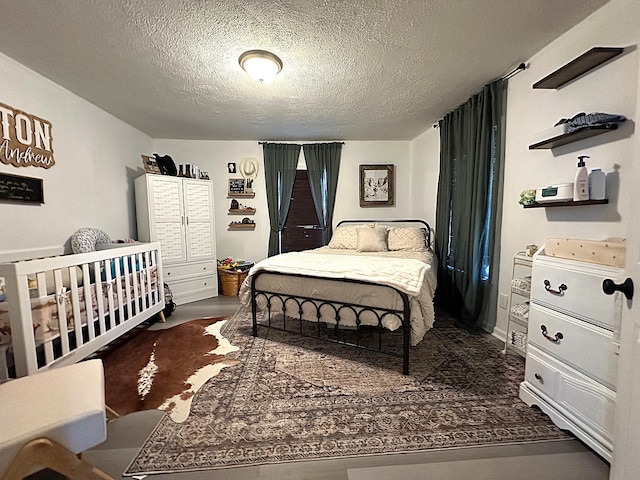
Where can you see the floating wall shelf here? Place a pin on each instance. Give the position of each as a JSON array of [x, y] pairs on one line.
[[568, 203], [579, 66], [236, 211], [585, 132], [244, 195]]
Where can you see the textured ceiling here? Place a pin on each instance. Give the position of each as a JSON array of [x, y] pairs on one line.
[[353, 69]]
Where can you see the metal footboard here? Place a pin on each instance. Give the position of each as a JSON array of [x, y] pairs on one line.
[[292, 311]]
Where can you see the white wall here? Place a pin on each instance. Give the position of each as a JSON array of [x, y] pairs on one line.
[[425, 167], [91, 184], [213, 156], [612, 88]]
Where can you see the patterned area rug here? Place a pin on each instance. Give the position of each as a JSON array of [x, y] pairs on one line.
[[291, 398]]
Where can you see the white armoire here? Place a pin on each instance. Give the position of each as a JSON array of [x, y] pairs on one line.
[[178, 212]]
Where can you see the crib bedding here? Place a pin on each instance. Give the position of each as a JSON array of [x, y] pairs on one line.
[[46, 309], [412, 272]]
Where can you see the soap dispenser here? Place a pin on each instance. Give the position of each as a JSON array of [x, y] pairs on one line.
[[581, 182]]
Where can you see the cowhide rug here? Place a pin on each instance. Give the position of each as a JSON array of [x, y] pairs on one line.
[[163, 369]]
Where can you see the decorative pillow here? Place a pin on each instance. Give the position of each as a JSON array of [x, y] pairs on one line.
[[86, 239], [411, 239], [346, 236], [372, 239]]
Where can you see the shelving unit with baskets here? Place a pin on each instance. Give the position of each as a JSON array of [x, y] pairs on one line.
[[518, 306]]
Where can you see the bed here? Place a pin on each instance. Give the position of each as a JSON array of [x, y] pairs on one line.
[[373, 277], [57, 309]]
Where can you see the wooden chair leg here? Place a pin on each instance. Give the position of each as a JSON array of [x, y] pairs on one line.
[[111, 413], [162, 317], [45, 453]]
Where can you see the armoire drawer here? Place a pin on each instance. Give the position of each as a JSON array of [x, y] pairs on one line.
[[172, 272], [579, 398], [575, 288], [586, 347]]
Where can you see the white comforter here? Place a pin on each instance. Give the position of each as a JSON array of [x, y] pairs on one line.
[[414, 276]]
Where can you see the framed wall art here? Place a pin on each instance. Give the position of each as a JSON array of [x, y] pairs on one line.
[[377, 186]]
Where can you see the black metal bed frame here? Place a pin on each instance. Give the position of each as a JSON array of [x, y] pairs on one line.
[[298, 302]]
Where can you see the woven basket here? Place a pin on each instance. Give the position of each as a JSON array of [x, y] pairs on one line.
[[229, 281]]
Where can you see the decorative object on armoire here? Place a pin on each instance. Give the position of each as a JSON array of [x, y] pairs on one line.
[[166, 164], [179, 213], [457, 375], [17, 188], [19, 149], [150, 164]]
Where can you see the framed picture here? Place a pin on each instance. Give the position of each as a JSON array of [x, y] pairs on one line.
[[236, 186], [377, 186], [231, 166], [150, 164], [17, 188]]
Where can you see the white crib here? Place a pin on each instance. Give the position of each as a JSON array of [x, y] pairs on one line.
[[57, 309]]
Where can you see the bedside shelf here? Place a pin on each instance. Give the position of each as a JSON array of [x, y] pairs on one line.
[[568, 203], [585, 132], [579, 66]]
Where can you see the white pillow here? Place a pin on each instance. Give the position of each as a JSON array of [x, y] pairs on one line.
[[411, 239], [346, 236], [372, 239]]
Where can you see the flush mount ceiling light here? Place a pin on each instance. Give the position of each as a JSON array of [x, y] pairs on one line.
[[260, 64]]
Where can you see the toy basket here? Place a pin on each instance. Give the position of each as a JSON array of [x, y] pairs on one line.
[[229, 281]]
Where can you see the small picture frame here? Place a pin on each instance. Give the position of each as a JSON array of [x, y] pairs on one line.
[[236, 186], [377, 186], [231, 167], [150, 164]]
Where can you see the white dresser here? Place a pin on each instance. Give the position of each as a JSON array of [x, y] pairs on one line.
[[572, 347], [178, 212]]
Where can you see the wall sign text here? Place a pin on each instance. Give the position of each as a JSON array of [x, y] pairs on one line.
[[25, 140]]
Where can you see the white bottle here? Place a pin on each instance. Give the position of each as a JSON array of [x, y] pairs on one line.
[[581, 183], [597, 184]]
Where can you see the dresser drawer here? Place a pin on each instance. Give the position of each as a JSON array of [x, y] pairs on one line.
[[577, 397], [575, 288], [173, 272], [586, 347]]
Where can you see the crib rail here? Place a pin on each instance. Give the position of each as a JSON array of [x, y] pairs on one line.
[[63, 308]]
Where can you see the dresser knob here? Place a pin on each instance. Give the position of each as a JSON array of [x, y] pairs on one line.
[[538, 376], [626, 287], [559, 336], [559, 291]]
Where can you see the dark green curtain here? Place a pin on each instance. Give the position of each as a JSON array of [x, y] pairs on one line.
[[323, 166], [469, 187], [280, 162]]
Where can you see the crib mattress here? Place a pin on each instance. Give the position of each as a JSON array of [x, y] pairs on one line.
[[604, 252]]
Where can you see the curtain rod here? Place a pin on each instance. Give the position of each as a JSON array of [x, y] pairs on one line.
[[264, 143], [506, 76], [514, 72]]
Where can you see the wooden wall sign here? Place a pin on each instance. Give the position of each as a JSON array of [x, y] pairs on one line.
[[21, 189], [26, 140]]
